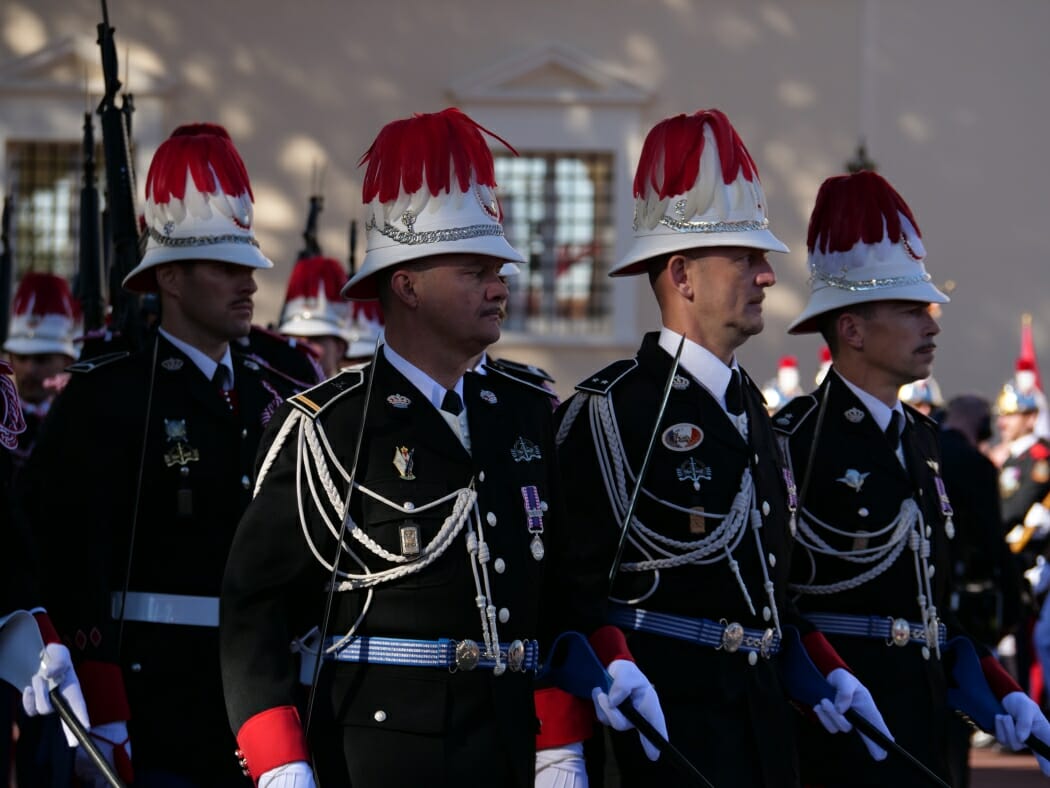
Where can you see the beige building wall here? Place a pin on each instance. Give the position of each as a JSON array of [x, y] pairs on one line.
[[949, 94]]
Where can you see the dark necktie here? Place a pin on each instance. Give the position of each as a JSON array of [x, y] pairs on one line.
[[452, 403], [221, 378], [735, 394], [893, 430]]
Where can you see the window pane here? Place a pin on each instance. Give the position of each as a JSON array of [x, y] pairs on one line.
[[557, 211], [45, 182]]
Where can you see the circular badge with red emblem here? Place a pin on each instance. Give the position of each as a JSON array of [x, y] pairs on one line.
[[682, 437]]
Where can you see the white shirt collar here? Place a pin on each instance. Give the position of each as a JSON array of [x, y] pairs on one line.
[[479, 368], [701, 363], [200, 360], [1023, 444], [427, 386], [878, 409]]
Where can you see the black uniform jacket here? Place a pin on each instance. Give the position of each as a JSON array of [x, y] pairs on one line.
[[387, 725], [855, 483], [732, 719], [188, 473]]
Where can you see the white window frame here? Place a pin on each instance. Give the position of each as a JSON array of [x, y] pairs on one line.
[[587, 107]]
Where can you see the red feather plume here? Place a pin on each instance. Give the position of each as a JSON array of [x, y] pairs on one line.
[[207, 151], [45, 294], [670, 160], [431, 147], [312, 275], [858, 207]]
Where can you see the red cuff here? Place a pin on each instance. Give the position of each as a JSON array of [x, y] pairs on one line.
[[47, 629], [609, 644], [103, 688], [822, 653], [270, 739], [564, 718], [999, 681]]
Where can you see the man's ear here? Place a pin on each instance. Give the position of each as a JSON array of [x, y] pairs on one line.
[[403, 286], [168, 279], [678, 275], [850, 328]]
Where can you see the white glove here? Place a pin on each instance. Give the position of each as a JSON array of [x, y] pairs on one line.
[[1015, 535], [561, 767], [630, 682], [1038, 576], [1023, 719], [850, 693], [56, 670], [106, 737], [296, 774], [1038, 517]]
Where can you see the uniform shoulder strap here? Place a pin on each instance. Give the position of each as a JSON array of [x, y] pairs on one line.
[[516, 368], [314, 401], [790, 417], [97, 362], [529, 382], [603, 381]]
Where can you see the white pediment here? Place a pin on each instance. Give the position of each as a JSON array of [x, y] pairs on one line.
[[61, 67], [553, 74]]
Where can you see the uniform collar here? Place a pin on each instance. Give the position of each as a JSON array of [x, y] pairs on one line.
[[427, 386], [205, 364], [703, 365], [878, 409]]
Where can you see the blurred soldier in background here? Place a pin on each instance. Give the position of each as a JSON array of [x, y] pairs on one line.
[[823, 364], [925, 396], [779, 391], [40, 343], [366, 327], [314, 311]]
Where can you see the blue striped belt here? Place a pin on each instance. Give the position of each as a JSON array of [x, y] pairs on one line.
[[519, 656], [729, 636], [892, 631]]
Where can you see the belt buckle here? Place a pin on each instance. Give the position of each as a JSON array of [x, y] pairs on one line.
[[467, 655], [900, 632], [766, 645], [516, 656], [732, 636]]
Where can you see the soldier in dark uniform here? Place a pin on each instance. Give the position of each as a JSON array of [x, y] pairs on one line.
[[153, 454], [40, 343], [1024, 476], [871, 564], [704, 573], [455, 557]]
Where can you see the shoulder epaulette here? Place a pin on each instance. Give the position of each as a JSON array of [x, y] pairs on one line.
[[526, 371], [790, 417], [97, 362], [602, 382], [314, 401], [510, 375]]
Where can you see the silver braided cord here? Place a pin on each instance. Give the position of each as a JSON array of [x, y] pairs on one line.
[[660, 551], [907, 529], [315, 463]]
